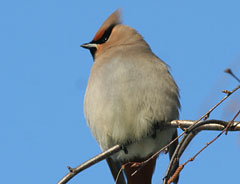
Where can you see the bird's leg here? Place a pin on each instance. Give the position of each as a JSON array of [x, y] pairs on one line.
[[154, 133], [124, 148]]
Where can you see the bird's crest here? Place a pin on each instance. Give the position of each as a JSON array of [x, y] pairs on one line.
[[112, 20]]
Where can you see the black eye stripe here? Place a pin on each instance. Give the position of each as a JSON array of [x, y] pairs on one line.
[[101, 40], [105, 36]]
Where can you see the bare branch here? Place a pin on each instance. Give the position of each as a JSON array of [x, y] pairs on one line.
[[187, 139], [74, 171], [205, 125], [231, 123], [212, 125]]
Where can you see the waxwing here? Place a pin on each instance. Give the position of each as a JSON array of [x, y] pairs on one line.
[[130, 94]]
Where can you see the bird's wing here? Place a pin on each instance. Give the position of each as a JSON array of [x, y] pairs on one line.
[[171, 151], [115, 167]]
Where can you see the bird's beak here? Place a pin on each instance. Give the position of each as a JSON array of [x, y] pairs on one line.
[[89, 45]]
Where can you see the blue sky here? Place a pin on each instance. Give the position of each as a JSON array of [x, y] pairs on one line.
[[44, 73]]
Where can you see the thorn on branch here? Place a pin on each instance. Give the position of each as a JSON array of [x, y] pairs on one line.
[[166, 150], [227, 92], [70, 169], [206, 116], [180, 126], [229, 71]]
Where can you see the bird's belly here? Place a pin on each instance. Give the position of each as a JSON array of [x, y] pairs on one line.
[[120, 120], [145, 147]]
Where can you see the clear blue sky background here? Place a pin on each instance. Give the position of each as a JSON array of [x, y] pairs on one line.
[[44, 73]]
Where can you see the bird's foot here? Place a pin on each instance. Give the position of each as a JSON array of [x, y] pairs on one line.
[[124, 148]]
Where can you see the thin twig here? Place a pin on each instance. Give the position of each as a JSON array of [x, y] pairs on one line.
[[175, 175], [74, 171], [231, 123], [189, 129], [119, 172], [177, 172]]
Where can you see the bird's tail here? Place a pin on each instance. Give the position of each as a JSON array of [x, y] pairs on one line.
[[143, 175]]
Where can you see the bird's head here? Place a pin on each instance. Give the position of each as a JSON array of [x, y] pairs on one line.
[[111, 34]]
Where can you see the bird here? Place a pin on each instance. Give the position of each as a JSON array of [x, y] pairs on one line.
[[129, 95]]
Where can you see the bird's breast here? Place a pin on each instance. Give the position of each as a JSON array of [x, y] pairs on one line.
[[123, 100]]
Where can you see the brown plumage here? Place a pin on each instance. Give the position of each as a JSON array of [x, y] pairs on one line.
[[113, 19]]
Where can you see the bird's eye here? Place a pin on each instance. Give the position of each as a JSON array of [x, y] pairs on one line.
[[106, 35], [105, 39]]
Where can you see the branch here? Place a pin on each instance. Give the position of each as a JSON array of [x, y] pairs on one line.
[[211, 125], [189, 134], [187, 139], [74, 171]]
